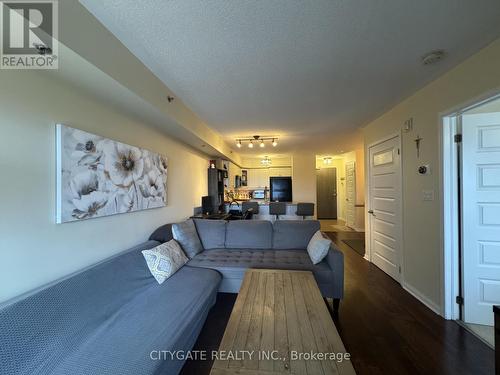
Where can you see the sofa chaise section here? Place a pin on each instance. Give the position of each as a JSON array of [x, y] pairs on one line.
[[107, 320]]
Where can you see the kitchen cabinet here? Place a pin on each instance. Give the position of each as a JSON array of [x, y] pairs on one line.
[[280, 172], [258, 178]]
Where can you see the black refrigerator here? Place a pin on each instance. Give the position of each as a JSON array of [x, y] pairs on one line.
[[281, 189]]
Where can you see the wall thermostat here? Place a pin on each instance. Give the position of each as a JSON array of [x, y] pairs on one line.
[[424, 169]]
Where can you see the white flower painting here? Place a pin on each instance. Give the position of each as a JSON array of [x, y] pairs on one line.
[[100, 177]]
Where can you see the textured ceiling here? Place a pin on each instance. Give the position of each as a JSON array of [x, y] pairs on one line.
[[311, 71]]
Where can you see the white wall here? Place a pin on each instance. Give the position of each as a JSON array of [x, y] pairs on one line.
[[480, 74], [33, 249]]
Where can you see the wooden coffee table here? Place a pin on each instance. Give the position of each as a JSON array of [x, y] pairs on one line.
[[280, 324]]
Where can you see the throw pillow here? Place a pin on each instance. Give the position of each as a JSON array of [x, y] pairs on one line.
[[185, 234], [164, 260], [318, 247]]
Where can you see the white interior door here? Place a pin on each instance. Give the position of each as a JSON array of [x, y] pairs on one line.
[[384, 170], [350, 177], [481, 216]]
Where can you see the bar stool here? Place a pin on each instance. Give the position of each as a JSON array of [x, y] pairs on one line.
[[277, 208], [245, 206], [305, 209]]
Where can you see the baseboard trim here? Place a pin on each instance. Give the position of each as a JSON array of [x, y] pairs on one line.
[[426, 301]]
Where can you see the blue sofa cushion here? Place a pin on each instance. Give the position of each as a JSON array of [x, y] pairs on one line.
[[212, 233], [186, 235], [250, 234], [107, 320], [293, 234]]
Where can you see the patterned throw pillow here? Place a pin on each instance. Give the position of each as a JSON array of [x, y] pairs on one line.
[[318, 247], [164, 260]]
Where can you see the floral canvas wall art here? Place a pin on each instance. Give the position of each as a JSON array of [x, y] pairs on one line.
[[97, 176]]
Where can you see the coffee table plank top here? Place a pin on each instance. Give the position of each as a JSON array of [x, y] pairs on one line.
[[281, 311]]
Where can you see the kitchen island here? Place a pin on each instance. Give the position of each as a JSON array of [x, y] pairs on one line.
[[291, 209]]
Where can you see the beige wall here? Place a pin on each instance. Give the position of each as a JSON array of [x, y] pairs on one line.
[[491, 107], [304, 177], [33, 249], [473, 78]]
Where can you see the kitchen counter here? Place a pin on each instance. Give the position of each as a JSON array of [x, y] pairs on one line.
[[291, 209], [262, 202]]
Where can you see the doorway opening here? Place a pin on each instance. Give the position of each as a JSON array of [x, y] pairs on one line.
[[471, 215]]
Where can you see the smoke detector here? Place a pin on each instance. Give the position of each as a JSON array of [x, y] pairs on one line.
[[433, 57]]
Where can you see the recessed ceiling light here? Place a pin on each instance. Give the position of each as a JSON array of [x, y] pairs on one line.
[[433, 57]]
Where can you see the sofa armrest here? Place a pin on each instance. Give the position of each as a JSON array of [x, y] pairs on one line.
[[335, 259]]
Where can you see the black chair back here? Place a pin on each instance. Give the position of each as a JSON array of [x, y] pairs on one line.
[[248, 214]]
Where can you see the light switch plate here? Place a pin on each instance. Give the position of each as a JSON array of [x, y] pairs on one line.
[[427, 195], [408, 125]]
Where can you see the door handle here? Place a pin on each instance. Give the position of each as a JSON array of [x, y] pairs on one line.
[[371, 212]]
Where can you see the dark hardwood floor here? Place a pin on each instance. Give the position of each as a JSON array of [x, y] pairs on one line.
[[386, 330]]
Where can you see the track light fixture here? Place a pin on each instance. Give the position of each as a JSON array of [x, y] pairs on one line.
[[256, 138]]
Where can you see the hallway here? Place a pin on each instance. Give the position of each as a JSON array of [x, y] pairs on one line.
[[388, 331]]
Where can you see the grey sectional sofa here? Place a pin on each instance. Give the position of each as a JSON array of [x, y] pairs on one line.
[[113, 317]]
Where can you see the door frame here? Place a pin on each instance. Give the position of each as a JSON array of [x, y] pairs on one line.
[[353, 162], [448, 181], [368, 226]]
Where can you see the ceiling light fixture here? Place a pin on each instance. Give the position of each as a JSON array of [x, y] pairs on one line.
[[256, 138], [266, 161], [327, 160]]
